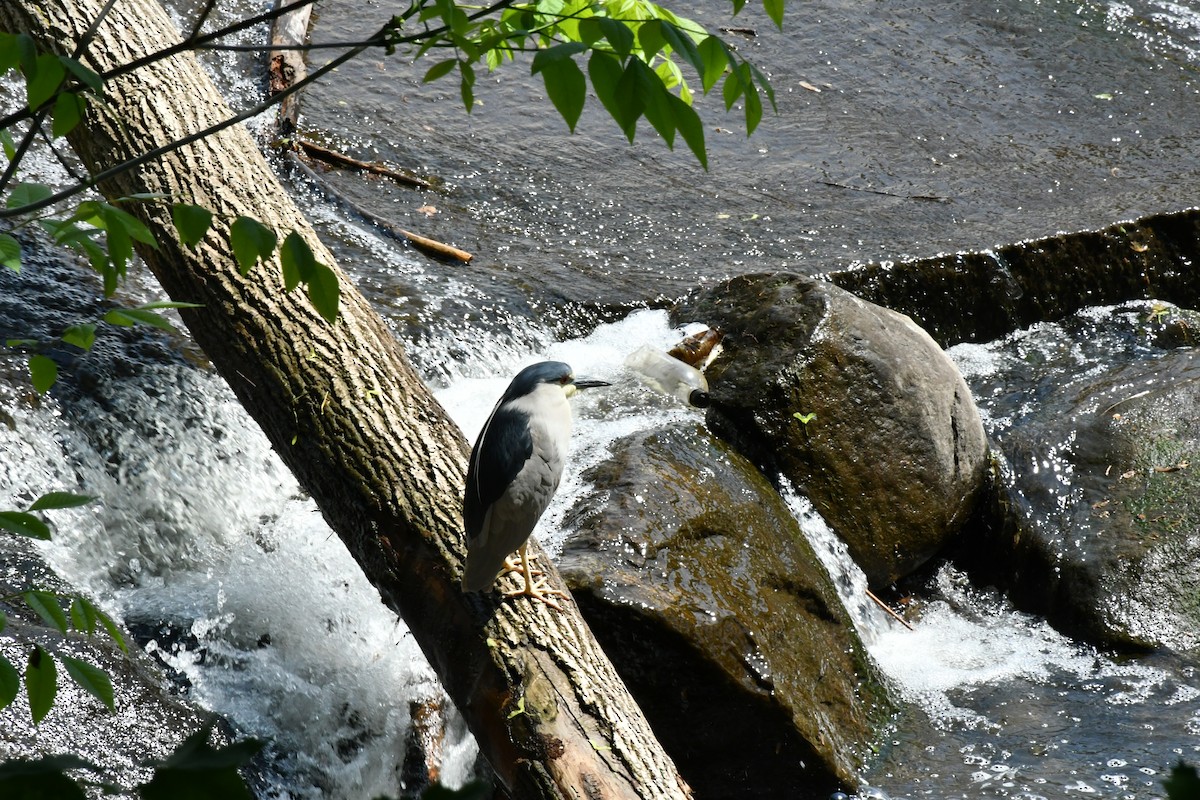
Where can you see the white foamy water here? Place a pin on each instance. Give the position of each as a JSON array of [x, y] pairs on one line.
[[203, 537]]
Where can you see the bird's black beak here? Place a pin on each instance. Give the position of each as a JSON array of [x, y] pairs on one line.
[[585, 384]]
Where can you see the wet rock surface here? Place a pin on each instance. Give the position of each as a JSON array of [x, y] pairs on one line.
[[888, 444], [984, 295], [692, 572], [1098, 500], [149, 722]]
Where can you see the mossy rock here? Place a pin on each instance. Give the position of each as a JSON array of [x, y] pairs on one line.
[[855, 405], [696, 577], [1096, 516]]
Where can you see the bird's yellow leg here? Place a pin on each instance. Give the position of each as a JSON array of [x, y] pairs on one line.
[[537, 589]]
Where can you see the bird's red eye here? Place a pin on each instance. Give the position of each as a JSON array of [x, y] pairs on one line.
[[564, 380]]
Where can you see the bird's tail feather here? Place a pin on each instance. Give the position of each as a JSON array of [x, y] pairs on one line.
[[478, 576]]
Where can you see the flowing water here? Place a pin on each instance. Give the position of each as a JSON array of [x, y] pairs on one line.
[[935, 127]]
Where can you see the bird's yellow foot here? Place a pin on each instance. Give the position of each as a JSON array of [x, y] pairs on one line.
[[541, 591], [514, 563]]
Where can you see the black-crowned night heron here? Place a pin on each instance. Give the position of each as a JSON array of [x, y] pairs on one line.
[[515, 468]]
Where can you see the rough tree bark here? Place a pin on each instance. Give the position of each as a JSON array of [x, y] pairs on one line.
[[352, 420]]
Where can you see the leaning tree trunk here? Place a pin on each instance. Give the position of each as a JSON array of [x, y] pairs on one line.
[[353, 421]]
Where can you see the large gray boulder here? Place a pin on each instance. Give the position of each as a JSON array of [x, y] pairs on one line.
[[1097, 511], [694, 574], [893, 455]]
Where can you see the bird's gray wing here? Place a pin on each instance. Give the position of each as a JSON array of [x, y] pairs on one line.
[[500, 453]]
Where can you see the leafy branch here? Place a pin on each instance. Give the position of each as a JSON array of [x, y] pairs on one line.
[[80, 614]]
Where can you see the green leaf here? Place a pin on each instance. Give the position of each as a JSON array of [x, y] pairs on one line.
[[118, 218], [565, 85], [10, 147], [169, 304], [1183, 783], [196, 754], [324, 292], [685, 46], [691, 129], [551, 55], [10, 252], [475, 790], [68, 111], [106, 621], [301, 266], [82, 335], [41, 683], [10, 682], [716, 58], [650, 39], [628, 100], [142, 196], [10, 53], [467, 86], [83, 617], [120, 251], [605, 71], [609, 80], [774, 9], [23, 524], [25, 51], [53, 500], [47, 607], [440, 70], [618, 35], [589, 31], [84, 75], [42, 779], [733, 87], [128, 317], [90, 678], [192, 222], [197, 771], [297, 260], [43, 81], [43, 371], [25, 194], [765, 84], [656, 104], [754, 110], [251, 240]]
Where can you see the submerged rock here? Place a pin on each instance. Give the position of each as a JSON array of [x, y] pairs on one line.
[[856, 405], [1098, 501], [693, 573]]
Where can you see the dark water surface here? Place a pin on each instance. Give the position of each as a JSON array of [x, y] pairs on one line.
[[937, 127]]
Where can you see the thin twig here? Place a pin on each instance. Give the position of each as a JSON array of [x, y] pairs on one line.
[[932, 198], [889, 610], [201, 19], [342, 160], [423, 243]]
